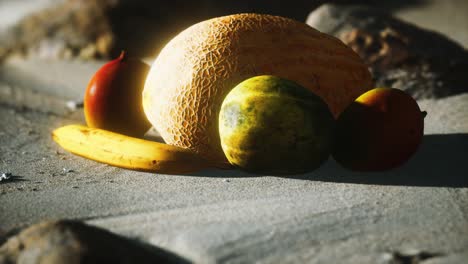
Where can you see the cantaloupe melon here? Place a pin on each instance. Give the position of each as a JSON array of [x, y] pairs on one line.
[[194, 72]]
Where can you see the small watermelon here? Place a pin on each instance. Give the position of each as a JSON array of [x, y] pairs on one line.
[[272, 125]]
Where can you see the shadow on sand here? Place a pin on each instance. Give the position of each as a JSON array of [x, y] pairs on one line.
[[441, 161], [13, 178]]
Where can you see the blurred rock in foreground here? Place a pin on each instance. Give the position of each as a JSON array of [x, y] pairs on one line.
[[401, 55], [74, 242]]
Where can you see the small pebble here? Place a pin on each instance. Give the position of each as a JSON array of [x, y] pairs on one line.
[[226, 180], [74, 105], [65, 170], [386, 258], [407, 252], [6, 176]]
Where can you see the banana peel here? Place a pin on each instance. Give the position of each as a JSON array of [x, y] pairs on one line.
[[128, 152]]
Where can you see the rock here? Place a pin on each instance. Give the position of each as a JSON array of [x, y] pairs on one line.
[[401, 55], [74, 242], [90, 29], [62, 30]]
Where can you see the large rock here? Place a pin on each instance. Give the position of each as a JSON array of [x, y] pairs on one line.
[[62, 30], [74, 242], [102, 28], [401, 55]]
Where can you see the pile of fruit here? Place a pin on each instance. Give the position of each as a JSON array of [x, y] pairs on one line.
[[262, 93]]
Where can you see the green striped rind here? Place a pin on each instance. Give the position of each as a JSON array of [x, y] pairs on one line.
[[271, 125]]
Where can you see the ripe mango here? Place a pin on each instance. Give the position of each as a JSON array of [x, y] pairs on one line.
[[112, 99], [379, 131]]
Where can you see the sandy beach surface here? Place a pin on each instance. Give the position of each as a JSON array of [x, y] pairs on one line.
[[218, 216]]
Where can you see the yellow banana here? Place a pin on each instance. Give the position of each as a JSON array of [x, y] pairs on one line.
[[127, 152]]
